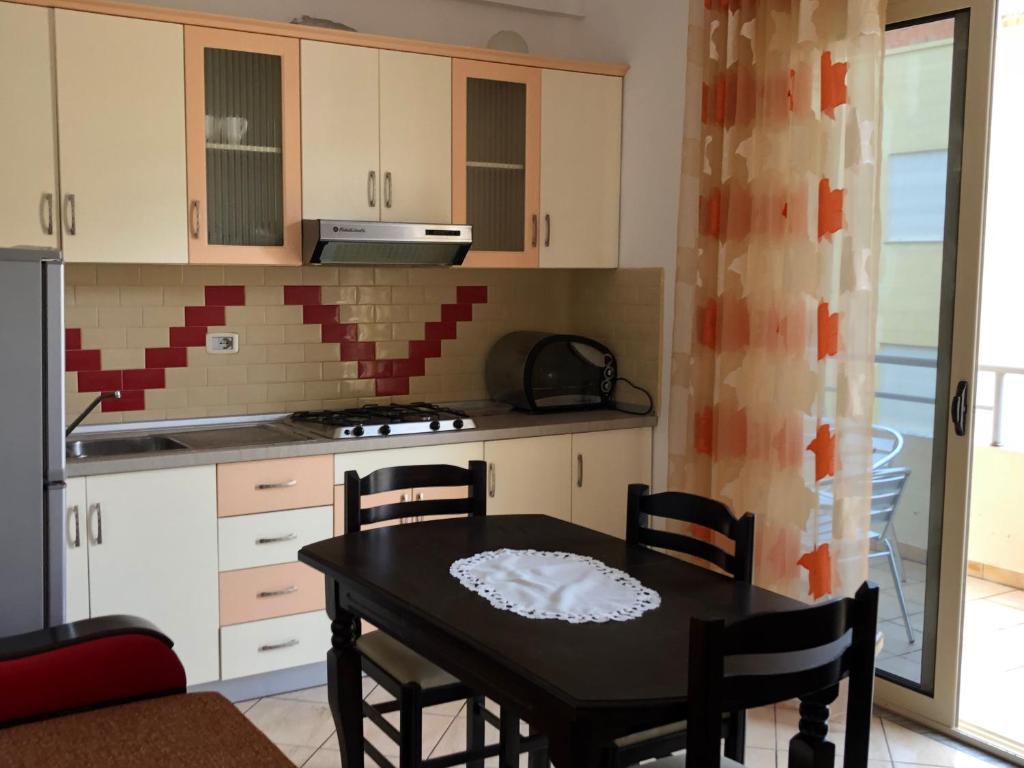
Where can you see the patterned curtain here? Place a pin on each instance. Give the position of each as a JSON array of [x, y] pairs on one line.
[[777, 395]]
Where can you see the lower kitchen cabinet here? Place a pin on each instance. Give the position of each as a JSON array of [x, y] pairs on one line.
[[265, 646], [604, 464], [531, 475], [148, 547]]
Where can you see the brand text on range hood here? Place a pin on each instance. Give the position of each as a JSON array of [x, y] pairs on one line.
[[330, 241]]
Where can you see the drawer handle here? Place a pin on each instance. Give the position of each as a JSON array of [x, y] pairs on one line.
[[278, 646], [277, 592], [276, 539], [272, 486]]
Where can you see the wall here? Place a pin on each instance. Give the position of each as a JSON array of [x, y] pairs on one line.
[[649, 35], [329, 337]]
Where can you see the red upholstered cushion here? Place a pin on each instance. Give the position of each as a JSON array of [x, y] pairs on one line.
[[88, 674]]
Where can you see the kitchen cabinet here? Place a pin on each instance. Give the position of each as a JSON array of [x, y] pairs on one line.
[[581, 147], [496, 130], [76, 552], [243, 147], [28, 132], [415, 138], [120, 102], [340, 131], [604, 464], [376, 134], [531, 475], [150, 542]]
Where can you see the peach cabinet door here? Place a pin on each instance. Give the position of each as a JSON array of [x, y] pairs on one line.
[[244, 147], [340, 132], [28, 129], [530, 475], [252, 594], [415, 137], [581, 158], [153, 553], [121, 111], [603, 465], [496, 119], [264, 486]]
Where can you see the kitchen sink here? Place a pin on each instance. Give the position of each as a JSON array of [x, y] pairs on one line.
[[238, 436], [121, 446]]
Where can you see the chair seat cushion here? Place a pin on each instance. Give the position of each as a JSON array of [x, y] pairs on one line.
[[679, 761], [401, 662], [197, 729]]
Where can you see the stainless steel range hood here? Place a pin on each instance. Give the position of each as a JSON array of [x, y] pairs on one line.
[[330, 241]]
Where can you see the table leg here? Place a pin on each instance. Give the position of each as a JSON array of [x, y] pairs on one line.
[[809, 749], [574, 747], [344, 682]]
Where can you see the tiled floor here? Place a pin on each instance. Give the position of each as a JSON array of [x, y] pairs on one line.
[[899, 655], [300, 724]]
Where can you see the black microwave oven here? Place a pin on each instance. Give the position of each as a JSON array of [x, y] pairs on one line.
[[535, 371]]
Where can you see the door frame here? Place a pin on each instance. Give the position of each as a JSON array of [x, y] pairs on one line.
[[940, 709]]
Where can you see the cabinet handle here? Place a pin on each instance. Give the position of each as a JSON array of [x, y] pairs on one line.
[[278, 646], [96, 513], [533, 240], [276, 539], [403, 498], [69, 214], [547, 229], [490, 476], [387, 189], [579, 470], [46, 213], [277, 592], [371, 189], [73, 515], [272, 486], [419, 497], [194, 218]]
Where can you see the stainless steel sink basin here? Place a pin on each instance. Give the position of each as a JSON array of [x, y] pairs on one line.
[[238, 436], [120, 446]]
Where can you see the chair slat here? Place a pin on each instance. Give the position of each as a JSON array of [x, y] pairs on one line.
[[689, 546], [430, 508], [787, 631], [689, 508], [420, 476]]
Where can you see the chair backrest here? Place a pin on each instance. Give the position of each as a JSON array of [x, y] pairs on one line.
[[420, 476], [773, 657], [696, 510], [886, 445], [887, 486]]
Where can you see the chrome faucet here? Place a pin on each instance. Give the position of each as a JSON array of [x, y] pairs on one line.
[[115, 395]]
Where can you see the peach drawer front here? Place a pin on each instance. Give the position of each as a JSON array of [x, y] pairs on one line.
[[266, 486], [252, 594]]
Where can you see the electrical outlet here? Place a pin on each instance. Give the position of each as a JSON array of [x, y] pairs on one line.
[[222, 343]]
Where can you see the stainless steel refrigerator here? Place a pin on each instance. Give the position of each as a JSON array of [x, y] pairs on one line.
[[31, 439]]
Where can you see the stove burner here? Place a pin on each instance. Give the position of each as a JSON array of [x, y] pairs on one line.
[[371, 420]]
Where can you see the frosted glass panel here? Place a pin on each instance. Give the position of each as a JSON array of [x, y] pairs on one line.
[[244, 184], [495, 160]]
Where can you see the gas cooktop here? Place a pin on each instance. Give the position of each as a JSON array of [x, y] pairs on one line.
[[383, 420]]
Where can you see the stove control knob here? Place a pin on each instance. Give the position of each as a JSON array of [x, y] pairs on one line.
[[435, 425], [457, 423], [385, 430], [357, 431]]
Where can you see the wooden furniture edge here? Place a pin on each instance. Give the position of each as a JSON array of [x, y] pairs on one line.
[[361, 39]]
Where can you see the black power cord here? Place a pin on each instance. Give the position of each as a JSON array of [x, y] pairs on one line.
[[650, 400]]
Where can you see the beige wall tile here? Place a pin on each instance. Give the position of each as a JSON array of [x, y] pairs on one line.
[[391, 276], [355, 276], [390, 313], [164, 275], [407, 294], [339, 294], [284, 315], [270, 373], [374, 295], [163, 317], [195, 274], [247, 393], [184, 296], [304, 372], [264, 296], [123, 358], [375, 332], [301, 334], [285, 353], [241, 275], [407, 331], [117, 274], [340, 370], [147, 337], [103, 338], [357, 388], [392, 350], [265, 334], [142, 296], [97, 296], [282, 393], [282, 276], [321, 352], [186, 377], [80, 274], [81, 317], [242, 316], [428, 313], [319, 275], [166, 398], [208, 396], [355, 313], [227, 375], [318, 390]]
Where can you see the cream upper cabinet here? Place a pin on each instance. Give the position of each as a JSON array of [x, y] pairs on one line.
[[28, 181], [604, 464], [76, 552], [121, 112], [340, 131], [415, 138], [530, 476], [153, 553], [580, 157]]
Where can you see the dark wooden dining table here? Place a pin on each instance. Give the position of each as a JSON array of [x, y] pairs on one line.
[[581, 685]]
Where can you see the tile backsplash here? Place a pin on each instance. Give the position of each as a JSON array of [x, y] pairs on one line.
[[329, 337]]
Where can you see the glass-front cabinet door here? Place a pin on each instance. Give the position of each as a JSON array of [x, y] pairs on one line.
[[496, 161], [244, 166]]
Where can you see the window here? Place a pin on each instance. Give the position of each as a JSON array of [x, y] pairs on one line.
[[916, 197]]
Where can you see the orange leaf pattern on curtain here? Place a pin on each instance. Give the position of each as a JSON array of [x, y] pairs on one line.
[[772, 373]]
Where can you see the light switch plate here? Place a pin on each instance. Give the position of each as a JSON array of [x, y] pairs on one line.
[[222, 343]]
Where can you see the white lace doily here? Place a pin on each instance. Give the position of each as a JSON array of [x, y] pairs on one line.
[[554, 585]]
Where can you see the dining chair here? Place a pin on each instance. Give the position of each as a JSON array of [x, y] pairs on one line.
[[773, 657], [714, 518], [413, 681]]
